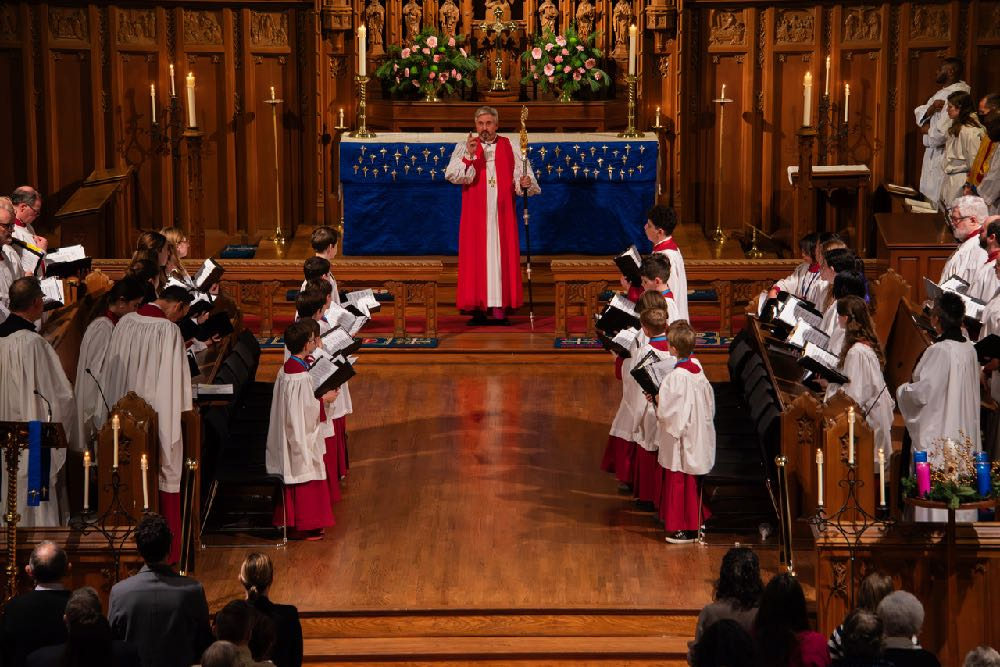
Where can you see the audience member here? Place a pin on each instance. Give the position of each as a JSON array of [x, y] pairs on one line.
[[35, 619], [737, 592], [902, 616], [234, 623], [873, 588], [262, 638], [982, 656], [781, 628], [727, 643], [89, 642], [256, 575], [164, 614], [862, 641], [221, 654]]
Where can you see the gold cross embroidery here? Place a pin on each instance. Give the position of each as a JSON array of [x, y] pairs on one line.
[[492, 182]]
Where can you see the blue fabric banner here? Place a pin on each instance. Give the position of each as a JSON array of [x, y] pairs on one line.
[[594, 197], [35, 482]]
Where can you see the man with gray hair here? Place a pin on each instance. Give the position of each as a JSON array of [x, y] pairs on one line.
[[27, 208], [35, 619], [902, 617], [982, 656], [489, 247], [10, 263], [966, 218], [933, 121]]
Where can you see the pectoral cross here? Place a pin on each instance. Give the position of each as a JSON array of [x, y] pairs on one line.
[[492, 182]]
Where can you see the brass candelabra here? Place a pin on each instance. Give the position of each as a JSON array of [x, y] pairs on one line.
[[719, 236], [631, 131], [362, 132], [279, 235]]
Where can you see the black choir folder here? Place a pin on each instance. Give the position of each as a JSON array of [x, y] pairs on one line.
[[208, 275], [67, 262], [328, 374], [617, 315], [650, 371], [621, 343], [988, 348], [629, 263], [822, 363]]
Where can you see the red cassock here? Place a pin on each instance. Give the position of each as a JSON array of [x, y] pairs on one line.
[[471, 294]]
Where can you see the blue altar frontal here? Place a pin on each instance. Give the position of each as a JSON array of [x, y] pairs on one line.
[[596, 189]]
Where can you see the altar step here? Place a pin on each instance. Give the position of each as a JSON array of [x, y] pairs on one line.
[[508, 637]]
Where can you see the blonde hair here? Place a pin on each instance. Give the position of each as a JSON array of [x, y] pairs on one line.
[[681, 337], [7, 205], [175, 236], [256, 574]]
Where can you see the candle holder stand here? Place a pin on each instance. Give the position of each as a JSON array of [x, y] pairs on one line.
[[279, 235], [168, 133], [362, 132], [719, 236], [830, 131], [631, 81]]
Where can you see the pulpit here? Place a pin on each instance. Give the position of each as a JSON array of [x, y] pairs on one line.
[[810, 182], [100, 215]]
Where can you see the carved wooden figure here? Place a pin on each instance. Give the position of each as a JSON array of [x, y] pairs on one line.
[[412, 14], [449, 14], [621, 17], [548, 14], [586, 15], [375, 16]]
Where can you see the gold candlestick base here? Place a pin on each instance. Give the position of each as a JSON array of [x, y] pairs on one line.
[[362, 132], [631, 131]]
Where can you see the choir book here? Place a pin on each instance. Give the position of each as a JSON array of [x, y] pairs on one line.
[[822, 363], [337, 341], [629, 263], [329, 373], [621, 343], [973, 307], [619, 314], [363, 302], [208, 275], [651, 369]]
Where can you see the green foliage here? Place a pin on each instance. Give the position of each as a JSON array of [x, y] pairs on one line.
[[444, 67], [550, 56]]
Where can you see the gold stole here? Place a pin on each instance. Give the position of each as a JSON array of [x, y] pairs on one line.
[[981, 165]]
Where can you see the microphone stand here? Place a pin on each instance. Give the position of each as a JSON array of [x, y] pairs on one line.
[[527, 225]]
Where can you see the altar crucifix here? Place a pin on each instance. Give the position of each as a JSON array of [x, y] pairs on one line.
[[498, 28]]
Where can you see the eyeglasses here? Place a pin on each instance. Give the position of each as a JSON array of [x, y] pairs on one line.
[[953, 220]]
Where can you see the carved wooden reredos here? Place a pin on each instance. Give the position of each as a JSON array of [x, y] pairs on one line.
[[79, 76]]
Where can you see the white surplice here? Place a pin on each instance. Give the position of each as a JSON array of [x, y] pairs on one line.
[[931, 171], [460, 173], [989, 188], [686, 428], [801, 283], [959, 154], [868, 389], [343, 405], [984, 284], [295, 444], [28, 364], [146, 355], [633, 402], [677, 281], [831, 326], [93, 351], [942, 401], [646, 423], [10, 270], [968, 258], [29, 260]]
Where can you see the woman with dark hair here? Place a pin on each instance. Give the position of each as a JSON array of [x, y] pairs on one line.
[[862, 644], [725, 643], [154, 247], [145, 271], [848, 282], [960, 146], [256, 575], [873, 588], [781, 629], [737, 592]]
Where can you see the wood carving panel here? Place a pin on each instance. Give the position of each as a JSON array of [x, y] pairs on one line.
[[930, 22], [9, 31], [795, 26], [269, 29], [728, 28], [68, 24], [989, 22], [202, 28], [862, 24], [137, 27]]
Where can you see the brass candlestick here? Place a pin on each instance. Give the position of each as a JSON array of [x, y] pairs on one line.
[[498, 26], [631, 130], [719, 236], [362, 132], [279, 235]]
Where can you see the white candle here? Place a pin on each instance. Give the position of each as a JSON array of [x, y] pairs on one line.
[[362, 51], [86, 480], [657, 123], [807, 89], [340, 118], [881, 477], [631, 49], [152, 96], [192, 119], [723, 95], [144, 464], [116, 425], [847, 100], [826, 89], [173, 82], [850, 435], [819, 468]]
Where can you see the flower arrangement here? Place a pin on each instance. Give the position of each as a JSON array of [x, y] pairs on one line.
[[565, 64], [432, 64], [954, 478]]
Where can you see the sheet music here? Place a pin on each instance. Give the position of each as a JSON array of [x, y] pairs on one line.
[[657, 365], [626, 337], [337, 339], [321, 369], [973, 307], [955, 284], [633, 254], [794, 310], [622, 303], [804, 333], [205, 273], [364, 300], [348, 321], [821, 355], [53, 290], [71, 253]]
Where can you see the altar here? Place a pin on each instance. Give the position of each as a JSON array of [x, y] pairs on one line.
[[596, 189]]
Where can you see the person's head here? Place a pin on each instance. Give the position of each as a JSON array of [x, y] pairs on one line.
[[143, 269], [835, 260], [961, 108], [848, 283], [681, 337], [950, 71], [310, 304], [321, 285], [655, 272], [324, 242], [263, 635], [724, 642], [178, 240], [739, 578], [315, 268], [25, 298], [27, 204], [299, 337], [487, 121], [660, 223], [48, 563], [989, 237], [780, 617], [858, 327], [989, 114], [807, 247], [948, 312], [6, 224], [256, 575], [982, 656], [822, 240], [862, 636], [221, 654], [654, 321], [234, 622], [88, 632], [901, 613], [174, 301], [153, 538], [126, 295], [651, 300], [967, 214], [153, 246]]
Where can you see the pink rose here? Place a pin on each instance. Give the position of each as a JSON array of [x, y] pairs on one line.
[[576, 76], [579, 47], [549, 69], [590, 63], [431, 75], [442, 78], [458, 77], [395, 67], [597, 76], [567, 69], [560, 40], [437, 58], [549, 46], [432, 42], [536, 76], [552, 79], [580, 70], [454, 72], [565, 52], [425, 51], [406, 72], [536, 53], [462, 51], [558, 59], [405, 53], [451, 41]]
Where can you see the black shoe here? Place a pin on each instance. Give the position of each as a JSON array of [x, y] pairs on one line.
[[682, 537], [645, 505], [624, 488], [478, 319], [500, 323]]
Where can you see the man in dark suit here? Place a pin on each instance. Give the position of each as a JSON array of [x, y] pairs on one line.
[[35, 619], [162, 613]]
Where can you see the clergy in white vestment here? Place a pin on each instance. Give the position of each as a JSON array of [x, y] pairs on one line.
[[146, 355], [932, 119], [489, 248], [984, 177], [991, 327], [861, 361], [10, 263], [27, 209], [942, 399], [967, 216], [123, 298], [961, 146], [35, 388], [985, 284]]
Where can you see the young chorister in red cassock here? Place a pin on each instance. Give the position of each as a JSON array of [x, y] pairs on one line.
[[660, 224], [646, 474], [685, 410], [295, 443]]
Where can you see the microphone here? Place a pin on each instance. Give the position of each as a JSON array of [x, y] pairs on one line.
[[100, 389], [47, 404], [30, 247]]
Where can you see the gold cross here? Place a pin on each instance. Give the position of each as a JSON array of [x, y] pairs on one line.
[[492, 182]]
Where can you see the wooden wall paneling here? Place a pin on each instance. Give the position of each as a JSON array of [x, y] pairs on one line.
[[317, 135], [15, 48], [765, 106], [983, 51]]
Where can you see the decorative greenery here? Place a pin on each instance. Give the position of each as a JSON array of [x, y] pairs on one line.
[[953, 474], [565, 63], [432, 64]]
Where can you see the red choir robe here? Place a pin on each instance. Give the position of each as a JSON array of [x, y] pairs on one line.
[[646, 476]]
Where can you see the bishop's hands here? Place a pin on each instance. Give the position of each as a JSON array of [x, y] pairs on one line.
[[471, 144]]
